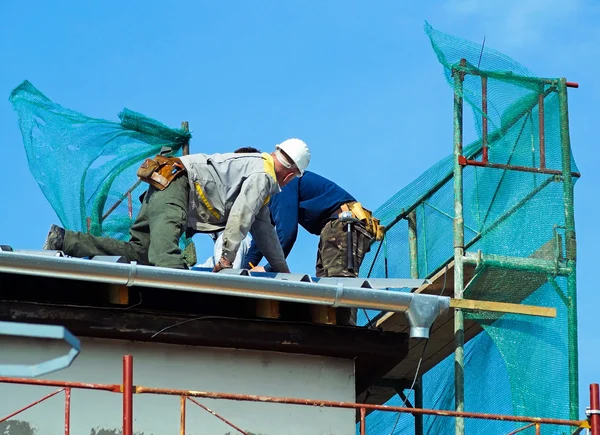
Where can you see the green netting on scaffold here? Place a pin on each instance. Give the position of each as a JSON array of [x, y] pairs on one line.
[[85, 166], [516, 365]]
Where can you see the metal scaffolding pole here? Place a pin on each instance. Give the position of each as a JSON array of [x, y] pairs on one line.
[[185, 150], [413, 248], [128, 390], [571, 248], [413, 244], [459, 242]]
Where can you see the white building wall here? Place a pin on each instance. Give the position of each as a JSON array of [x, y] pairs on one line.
[[181, 367]]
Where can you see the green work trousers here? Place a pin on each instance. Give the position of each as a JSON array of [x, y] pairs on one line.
[[155, 233], [332, 257]]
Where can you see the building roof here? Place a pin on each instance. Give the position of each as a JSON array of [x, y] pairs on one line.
[[194, 307]]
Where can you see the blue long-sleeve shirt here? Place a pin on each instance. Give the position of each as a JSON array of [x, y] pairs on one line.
[[308, 201]]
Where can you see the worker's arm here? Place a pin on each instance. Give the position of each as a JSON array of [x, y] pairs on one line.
[[218, 248], [248, 211], [239, 257], [263, 233], [284, 212]]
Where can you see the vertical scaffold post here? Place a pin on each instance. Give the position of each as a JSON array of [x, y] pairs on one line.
[[571, 247], [185, 126], [484, 119], [594, 409], [363, 423], [413, 244], [68, 411], [459, 242], [127, 395], [541, 128], [419, 404], [182, 401], [413, 248]]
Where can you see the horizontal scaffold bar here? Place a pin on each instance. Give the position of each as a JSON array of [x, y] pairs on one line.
[[502, 307], [535, 265]]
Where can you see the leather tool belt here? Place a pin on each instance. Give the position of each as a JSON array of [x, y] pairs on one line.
[[366, 217], [160, 171]]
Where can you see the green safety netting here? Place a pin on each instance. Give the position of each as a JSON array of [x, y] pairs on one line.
[[517, 365], [84, 166]]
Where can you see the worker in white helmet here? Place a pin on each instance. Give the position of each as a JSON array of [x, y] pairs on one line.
[[200, 193], [218, 236]]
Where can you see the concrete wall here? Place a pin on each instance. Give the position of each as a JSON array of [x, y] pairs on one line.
[[183, 367]]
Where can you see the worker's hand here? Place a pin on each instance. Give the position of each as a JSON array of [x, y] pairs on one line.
[[258, 269], [223, 263]]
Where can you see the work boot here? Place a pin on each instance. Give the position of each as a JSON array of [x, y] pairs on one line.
[[55, 239]]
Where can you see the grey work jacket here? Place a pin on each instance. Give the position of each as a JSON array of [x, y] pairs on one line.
[[230, 192]]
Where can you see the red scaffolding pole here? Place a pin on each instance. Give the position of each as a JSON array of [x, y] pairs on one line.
[[67, 411], [363, 423], [183, 401], [594, 411], [128, 395], [31, 405]]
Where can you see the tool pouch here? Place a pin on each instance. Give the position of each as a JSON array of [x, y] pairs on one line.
[[160, 171], [366, 217]]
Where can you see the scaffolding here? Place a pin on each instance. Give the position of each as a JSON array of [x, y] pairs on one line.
[[513, 263], [128, 391], [503, 269]]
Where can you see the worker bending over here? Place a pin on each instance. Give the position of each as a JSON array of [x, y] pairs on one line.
[[325, 209], [200, 193], [238, 262]]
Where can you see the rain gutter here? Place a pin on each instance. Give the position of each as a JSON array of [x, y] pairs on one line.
[[420, 310]]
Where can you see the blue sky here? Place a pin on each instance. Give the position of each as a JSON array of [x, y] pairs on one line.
[[357, 81]]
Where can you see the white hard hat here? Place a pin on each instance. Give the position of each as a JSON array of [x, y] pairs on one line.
[[298, 151]]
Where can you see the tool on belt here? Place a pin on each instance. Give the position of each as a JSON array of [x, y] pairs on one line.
[[348, 218], [354, 213], [160, 171], [365, 217]]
